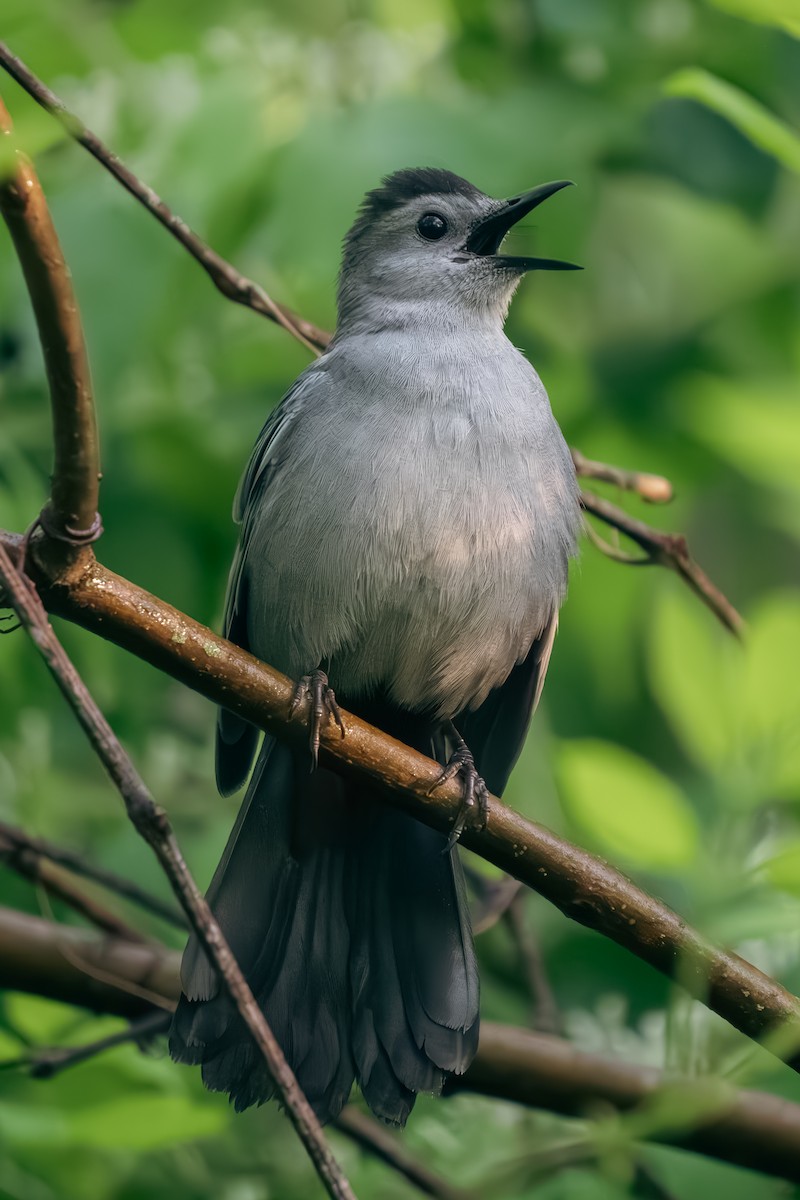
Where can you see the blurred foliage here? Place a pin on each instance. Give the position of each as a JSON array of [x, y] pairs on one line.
[[660, 743]]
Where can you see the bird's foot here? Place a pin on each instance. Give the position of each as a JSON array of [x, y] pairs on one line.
[[315, 687], [476, 793]]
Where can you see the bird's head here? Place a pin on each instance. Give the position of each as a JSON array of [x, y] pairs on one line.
[[425, 246]]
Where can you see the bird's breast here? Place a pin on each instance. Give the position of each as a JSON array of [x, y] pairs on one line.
[[428, 546]]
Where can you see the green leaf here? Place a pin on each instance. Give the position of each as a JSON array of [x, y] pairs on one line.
[[771, 692], [784, 13], [783, 871], [755, 425], [693, 666], [626, 806], [147, 1121], [32, 134], [751, 118], [735, 708]]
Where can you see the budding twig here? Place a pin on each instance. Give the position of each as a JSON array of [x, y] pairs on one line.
[[664, 550]]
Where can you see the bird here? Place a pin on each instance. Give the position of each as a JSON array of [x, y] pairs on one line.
[[407, 516]]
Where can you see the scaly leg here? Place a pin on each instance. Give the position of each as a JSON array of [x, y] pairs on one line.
[[476, 793], [315, 687]]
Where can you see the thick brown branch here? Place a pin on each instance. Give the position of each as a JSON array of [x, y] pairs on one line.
[[586, 889], [152, 824], [665, 550], [22, 842], [63, 962], [72, 511], [753, 1129], [226, 278]]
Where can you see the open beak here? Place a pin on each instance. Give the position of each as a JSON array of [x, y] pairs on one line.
[[487, 236]]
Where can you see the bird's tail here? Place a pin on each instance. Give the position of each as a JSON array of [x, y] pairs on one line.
[[352, 928]]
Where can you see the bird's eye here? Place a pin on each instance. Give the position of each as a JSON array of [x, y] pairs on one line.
[[432, 226]]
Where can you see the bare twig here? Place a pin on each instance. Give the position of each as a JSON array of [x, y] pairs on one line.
[[490, 898], [752, 1129], [655, 489], [39, 870], [377, 1140], [545, 1012], [226, 278], [665, 550], [152, 824], [586, 889], [45, 1064], [71, 515], [23, 842]]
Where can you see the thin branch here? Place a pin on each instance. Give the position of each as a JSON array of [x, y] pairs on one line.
[[665, 550], [26, 843], [45, 1064], [230, 282], [71, 515], [545, 1011], [377, 1140], [490, 898], [39, 870], [655, 489], [752, 1129], [585, 888], [152, 824]]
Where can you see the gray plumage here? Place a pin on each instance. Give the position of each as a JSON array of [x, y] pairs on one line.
[[407, 518]]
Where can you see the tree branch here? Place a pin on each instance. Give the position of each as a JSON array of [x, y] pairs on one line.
[[585, 888], [665, 550], [378, 1141], [71, 515], [655, 489], [47, 1063], [33, 866], [545, 1014], [152, 824], [751, 1129], [233, 285], [17, 840]]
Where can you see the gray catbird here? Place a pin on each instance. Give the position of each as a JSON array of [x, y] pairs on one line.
[[407, 515]]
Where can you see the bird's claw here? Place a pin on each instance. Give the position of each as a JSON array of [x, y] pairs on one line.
[[476, 793], [317, 690]]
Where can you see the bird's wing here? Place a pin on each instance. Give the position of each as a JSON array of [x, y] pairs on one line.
[[236, 738], [495, 732]]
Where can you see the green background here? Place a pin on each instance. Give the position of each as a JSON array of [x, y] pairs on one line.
[[660, 743]]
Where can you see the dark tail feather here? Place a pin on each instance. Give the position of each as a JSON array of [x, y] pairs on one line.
[[353, 931]]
